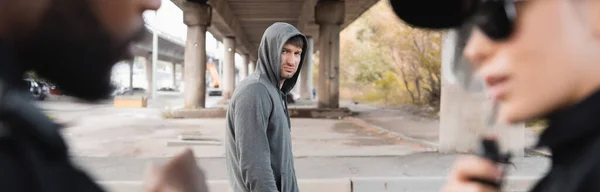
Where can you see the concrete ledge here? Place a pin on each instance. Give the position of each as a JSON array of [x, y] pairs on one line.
[[124, 101], [220, 112], [330, 185], [199, 113], [409, 184], [135, 186], [306, 185], [192, 143], [318, 113], [383, 184]]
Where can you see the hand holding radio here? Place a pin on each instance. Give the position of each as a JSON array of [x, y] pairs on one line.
[[481, 173]]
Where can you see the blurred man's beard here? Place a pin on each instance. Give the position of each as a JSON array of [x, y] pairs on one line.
[[72, 49]]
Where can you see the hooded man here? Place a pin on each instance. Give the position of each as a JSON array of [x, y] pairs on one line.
[[259, 146]]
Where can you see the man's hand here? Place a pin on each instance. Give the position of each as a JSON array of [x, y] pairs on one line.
[[467, 168], [180, 174]]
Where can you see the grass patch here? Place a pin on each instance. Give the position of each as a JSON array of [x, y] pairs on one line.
[[537, 125]]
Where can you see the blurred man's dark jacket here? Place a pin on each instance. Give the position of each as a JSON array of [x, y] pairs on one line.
[[33, 154]]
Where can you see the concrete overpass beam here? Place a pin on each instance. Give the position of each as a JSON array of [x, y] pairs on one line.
[[329, 15], [306, 84], [462, 115], [229, 67], [245, 63], [197, 17]]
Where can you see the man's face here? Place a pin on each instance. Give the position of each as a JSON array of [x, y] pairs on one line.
[[541, 67], [290, 59], [77, 42]]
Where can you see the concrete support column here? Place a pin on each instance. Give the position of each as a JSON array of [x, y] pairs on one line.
[[296, 90], [131, 63], [183, 72], [463, 114], [174, 71], [329, 15], [251, 67], [228, 67], [245, 63], [149, 73], [197, 17], [306, 76]]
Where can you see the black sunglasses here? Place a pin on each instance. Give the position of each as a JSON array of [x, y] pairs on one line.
[[496, 18]]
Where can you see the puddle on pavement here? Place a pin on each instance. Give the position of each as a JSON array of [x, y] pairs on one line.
[[361, 137], [196, 137], [178, 143], [345, 127]]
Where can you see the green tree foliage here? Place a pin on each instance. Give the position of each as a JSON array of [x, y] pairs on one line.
[[34, 76], [389, 62]]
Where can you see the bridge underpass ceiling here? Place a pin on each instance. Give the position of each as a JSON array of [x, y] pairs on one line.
[[248, 19]]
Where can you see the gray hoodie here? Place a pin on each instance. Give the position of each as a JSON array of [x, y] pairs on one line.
[[258, 142]]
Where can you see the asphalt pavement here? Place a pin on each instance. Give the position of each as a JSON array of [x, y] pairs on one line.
[[119, 144]]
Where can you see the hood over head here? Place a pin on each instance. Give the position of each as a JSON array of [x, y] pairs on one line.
[[269, 54]]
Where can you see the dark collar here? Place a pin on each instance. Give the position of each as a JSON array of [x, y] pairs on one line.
[[574, 125]]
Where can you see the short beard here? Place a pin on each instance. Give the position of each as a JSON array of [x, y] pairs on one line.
[[71, 49]]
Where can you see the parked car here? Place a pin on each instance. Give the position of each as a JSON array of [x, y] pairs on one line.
[[54, 90], [45, 88], [214, 91], [168, 89], [37, 90], [128, 91], [290, 98]]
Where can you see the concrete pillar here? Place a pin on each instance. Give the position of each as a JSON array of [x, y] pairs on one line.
[[296, 90], [228, 67], [463, 114], [183, 72], [149, 73], [131, 63], [245, 63], [197, 17], [251, 67], [306, 76], [174, 71], [329, 15]]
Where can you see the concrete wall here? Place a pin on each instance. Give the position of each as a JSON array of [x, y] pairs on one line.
[[463, 114], [402, 184]]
